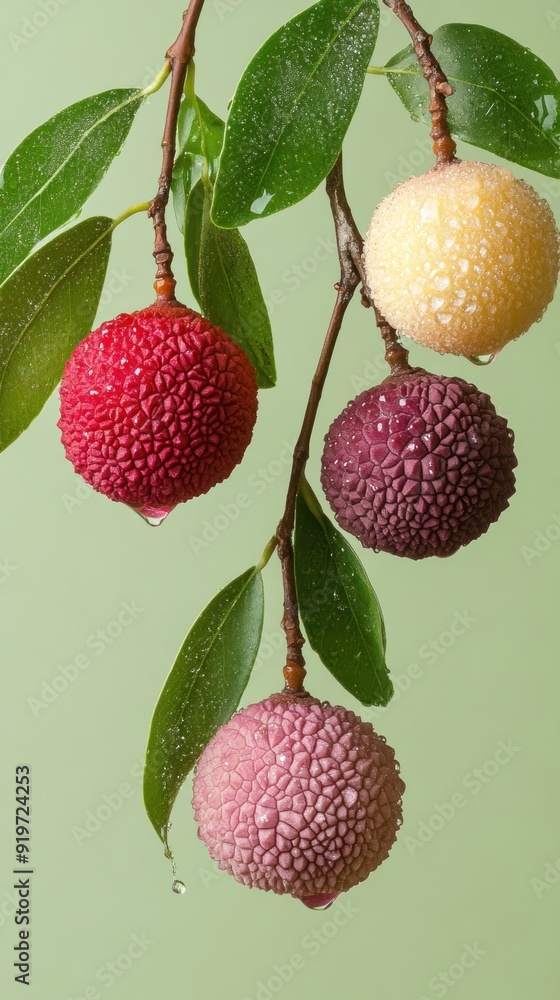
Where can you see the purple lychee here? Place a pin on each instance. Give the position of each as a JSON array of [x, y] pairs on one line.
[[419, 465]]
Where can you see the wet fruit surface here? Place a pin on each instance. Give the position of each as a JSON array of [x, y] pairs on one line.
[[419, 465], [464, 258], [298, 796], [156, 408]]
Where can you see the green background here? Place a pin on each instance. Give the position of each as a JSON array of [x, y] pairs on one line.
[[71, 559]]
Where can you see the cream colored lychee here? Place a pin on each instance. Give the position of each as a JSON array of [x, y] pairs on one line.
[[464, 258]]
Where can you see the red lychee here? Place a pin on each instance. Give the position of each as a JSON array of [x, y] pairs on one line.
[[157, 406], [419, 465], [298, 796]]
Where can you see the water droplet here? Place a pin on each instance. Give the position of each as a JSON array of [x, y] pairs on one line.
[[154, 516], [259, 204], [321, 901], [178, 886], [154, 522], [471, 201], [484, 359]]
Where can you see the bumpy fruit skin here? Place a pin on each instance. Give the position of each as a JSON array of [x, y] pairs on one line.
[[419, 465], [298, 796], [157, 407], [464, 258]]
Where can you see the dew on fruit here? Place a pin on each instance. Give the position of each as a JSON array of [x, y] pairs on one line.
[[178, 886], [322, 901], [489, 230], [483, 360], [154, 522]]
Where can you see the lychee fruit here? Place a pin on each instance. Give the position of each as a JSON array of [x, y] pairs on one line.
[[464, 258], [157, 406], [419, 465], [298, 796]]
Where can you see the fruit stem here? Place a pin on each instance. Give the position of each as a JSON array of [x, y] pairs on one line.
[[178, 56], [396, 355], [349, 245], [440, 88]]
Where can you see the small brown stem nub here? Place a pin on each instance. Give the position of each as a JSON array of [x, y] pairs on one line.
[[396, 355], [349, 245], [440, 88], [179, 57]]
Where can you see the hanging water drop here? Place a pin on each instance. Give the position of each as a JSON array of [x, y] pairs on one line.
[[321, 901], [178, 886], [153, 520], [483, 360]]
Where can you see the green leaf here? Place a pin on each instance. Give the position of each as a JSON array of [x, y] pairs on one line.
[[338, 606], [200, 139], [230, 294], [202, 691], [194, 212], [50, 175], [201, 132], [221, 271], [506, 99], [187, 171], [292, 108], [46, 307]]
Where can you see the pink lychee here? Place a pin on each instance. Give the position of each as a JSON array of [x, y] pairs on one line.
[[419, 465], [298, 796], [157, 406]]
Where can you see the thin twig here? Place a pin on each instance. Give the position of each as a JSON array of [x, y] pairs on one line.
[[396, 355], [179, 57], [440, 88], [349, 245]]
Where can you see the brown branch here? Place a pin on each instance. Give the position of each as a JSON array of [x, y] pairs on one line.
[[350, 249], [440, 88], [179, 56], [349, 245], [395, 354]]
